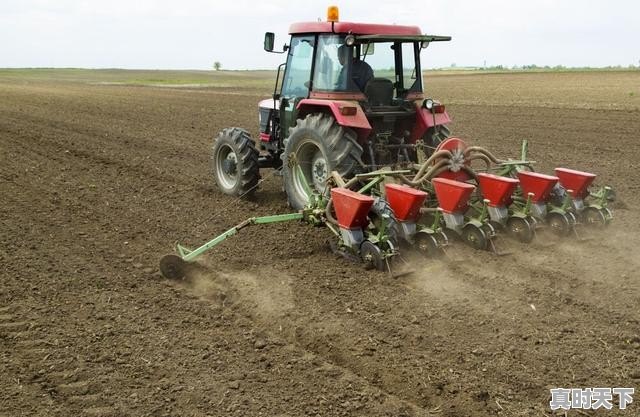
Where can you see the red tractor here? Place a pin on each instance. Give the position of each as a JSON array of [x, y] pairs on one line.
[[350, 100]]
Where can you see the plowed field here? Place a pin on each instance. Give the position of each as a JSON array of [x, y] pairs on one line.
[[98, 181]]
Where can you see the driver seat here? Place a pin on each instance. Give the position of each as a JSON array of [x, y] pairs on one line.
[[379, 92]]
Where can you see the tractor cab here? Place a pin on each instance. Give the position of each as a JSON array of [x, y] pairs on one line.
[[376, 67], [383, 72], [349, 98]]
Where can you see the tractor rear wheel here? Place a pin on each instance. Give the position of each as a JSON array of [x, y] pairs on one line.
[[319, 145], [235, 162]]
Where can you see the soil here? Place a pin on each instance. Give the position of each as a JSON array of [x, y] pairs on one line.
[[97, 182]]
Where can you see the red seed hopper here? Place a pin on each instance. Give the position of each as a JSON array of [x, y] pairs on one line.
[[405, 201], [498, 190], [577, 182], [351, 208], [539, 185], [453, 196]]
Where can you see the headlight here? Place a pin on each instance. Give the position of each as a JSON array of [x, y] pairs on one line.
[[428, 103], [349, 40]]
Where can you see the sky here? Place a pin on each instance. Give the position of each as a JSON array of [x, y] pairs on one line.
[[193, 34]]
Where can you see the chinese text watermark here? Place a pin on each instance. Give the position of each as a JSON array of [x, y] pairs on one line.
[[590, 398]]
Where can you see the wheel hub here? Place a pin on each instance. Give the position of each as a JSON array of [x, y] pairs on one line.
[[371, 256], [229, 165], [559, 224], [319, 171]]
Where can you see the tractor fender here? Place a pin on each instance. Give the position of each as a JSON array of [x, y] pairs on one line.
[[358, 121], [425, 119]]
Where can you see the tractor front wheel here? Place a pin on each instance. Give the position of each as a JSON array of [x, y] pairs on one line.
[[235, 162], [318, 145]]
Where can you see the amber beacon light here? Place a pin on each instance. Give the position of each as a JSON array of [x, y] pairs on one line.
[[333, 15]]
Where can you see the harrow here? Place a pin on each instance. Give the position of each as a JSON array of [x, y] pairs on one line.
[[375, 216]]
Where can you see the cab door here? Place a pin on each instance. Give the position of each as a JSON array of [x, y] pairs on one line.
[[297, 79]]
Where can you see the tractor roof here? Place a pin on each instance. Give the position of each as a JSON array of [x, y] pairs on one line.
[[355, 28]]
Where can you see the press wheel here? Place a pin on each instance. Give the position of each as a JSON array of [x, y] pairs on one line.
[[172, 267], [594, 217], [371, 256], [475, 237], [559, 223], [427, 244], [521, 229]]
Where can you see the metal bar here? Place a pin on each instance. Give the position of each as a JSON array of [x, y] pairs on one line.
[[333, 228], [370, 184], [213, 242], [182, 250], [303, 180], [437, 219], [189, 255], [566, 203], [511, 163], [278, 218], [484, 212], [338, 179], [376, 173], [407, 38], [524, 150], [527, 206]]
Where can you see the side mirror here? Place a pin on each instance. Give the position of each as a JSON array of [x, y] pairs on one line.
[[269, 39]]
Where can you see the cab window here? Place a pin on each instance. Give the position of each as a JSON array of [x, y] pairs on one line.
[[297, 78]]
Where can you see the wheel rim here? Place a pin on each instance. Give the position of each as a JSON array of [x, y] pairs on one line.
[[314, 168], [475, 237], [520, 229], [319, 170], [594, 217], [371, 256], [427, 244], [227, 167], [559, 224]]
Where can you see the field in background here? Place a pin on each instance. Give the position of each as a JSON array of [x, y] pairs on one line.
[[593, 89], [101, 172]]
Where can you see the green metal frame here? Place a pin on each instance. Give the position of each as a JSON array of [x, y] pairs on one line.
[[312, 214], [510, 168], [190, 254]]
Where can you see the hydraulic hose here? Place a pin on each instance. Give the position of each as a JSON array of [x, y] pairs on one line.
[[434, 170], [482, 157], [482, 151], [328, 214], [439, 154]]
